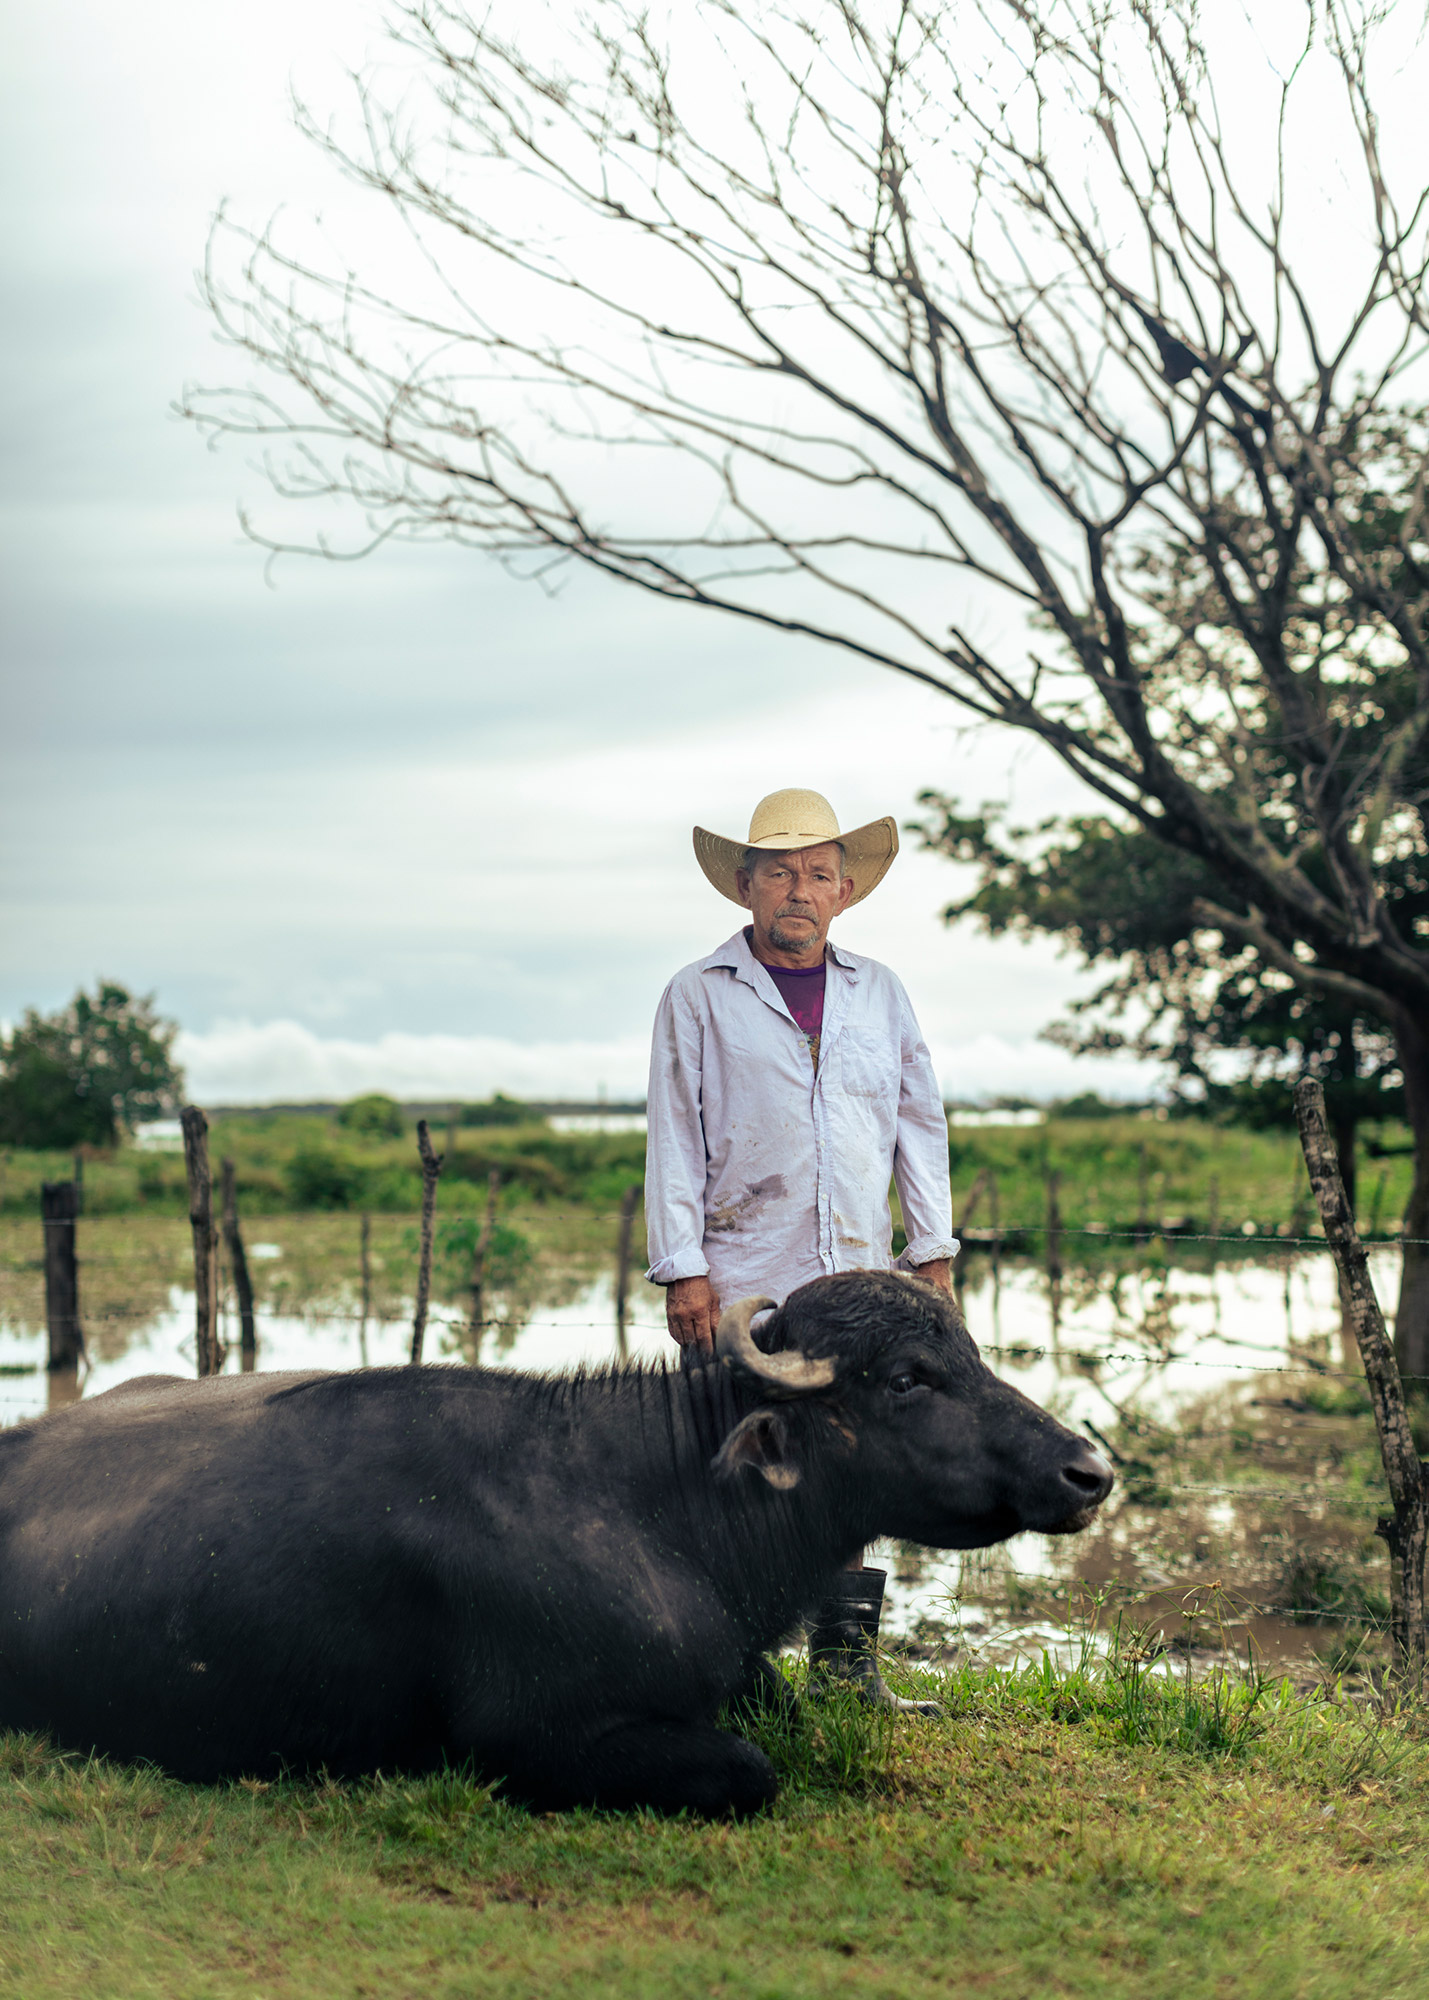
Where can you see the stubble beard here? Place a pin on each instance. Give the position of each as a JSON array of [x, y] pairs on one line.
[[782, 941]]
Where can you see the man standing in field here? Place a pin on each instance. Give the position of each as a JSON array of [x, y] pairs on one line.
[[789, 1084]]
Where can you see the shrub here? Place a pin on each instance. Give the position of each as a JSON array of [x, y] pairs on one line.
[[498, 1110], [507, 1255], [372, 1117], [319, 1176]]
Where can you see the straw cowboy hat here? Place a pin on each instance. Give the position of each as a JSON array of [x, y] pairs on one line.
[[796, 818]]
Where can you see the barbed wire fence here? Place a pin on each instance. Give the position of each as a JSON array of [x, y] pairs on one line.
[[1159, 1245]]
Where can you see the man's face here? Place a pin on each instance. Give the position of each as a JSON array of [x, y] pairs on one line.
[[794, 897]]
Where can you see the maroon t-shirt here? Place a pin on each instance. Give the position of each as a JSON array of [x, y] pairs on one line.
[[803, 994]]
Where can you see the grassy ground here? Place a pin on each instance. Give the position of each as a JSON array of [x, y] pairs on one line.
[[1099, 1832], [1114, 1173]]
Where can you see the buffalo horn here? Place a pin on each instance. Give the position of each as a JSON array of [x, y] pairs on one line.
[[783, 1374]]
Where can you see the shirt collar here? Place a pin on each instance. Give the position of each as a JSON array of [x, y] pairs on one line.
[[734, 955]]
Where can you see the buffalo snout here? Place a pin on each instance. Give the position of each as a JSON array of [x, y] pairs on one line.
[[1086, 1480]]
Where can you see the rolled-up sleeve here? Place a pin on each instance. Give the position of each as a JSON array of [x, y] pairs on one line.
[[920, 1159], [675, 1145]]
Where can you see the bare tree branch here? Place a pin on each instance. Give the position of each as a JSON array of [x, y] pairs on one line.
[[924, 311]]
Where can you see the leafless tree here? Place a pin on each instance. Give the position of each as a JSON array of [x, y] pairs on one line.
[[1062, 357]]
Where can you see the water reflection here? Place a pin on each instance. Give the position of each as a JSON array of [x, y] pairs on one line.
[[577, 1333], [1131, 1349], [1086, 1344]]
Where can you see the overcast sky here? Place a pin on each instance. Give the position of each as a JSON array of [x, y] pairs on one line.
[[406, 823]]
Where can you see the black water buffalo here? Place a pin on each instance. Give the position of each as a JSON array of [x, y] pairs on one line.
[[558, 1578]]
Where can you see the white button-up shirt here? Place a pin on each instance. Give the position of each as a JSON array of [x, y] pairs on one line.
[[761, 1170]]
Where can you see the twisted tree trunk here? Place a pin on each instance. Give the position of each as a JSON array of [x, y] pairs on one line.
[[1411, 1323], [1406, 1530]]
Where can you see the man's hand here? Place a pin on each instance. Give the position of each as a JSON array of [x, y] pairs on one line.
[[692, 1313], [939, 1273]]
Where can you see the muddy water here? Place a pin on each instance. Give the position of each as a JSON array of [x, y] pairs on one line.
[[1099, 1344]]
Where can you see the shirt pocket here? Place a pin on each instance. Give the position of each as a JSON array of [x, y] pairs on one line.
[[868, 1064]]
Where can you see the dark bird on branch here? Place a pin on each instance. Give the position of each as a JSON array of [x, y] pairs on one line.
[[1178, 361]]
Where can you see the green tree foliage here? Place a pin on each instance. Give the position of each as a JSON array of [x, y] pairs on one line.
[[1179, 991], [89, 1073], [498, 1110], [1196, 980], [372, 1116]]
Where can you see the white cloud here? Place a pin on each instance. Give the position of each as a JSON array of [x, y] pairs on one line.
[[405, 825], [284, 1061], [995, 1066]]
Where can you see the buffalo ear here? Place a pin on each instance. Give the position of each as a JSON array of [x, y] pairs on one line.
[[760, 1440]]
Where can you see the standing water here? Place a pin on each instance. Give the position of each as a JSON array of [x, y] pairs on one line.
[[1156, 1352]]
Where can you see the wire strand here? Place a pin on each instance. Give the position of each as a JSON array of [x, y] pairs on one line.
[[1073, 1586]]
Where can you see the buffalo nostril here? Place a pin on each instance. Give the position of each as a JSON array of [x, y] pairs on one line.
[[1091, 1476]]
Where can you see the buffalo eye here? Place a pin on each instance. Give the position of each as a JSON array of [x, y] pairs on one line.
[[903, 1384]]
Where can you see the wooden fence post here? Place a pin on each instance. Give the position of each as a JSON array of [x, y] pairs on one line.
[[200, 1177], [1054, 1226], [995, 1217], [59, 1205], [969, 1211], [478, 1262], [1407, 1529], [365, 1257], [1143, 1219], [622, 1266], [431, 1167], [238, 1264]]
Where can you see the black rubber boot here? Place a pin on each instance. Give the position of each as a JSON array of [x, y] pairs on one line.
[[843, 1642]]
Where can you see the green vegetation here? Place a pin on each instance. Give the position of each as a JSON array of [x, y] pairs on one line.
[[1180, 1174], [1116, 1171], [373, 1116], [1178, 989], [293, 1162], [498, 1110], [87, 1074], [1102, 1830]]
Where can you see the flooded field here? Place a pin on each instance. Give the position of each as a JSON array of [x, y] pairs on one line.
[[1248, 1478]]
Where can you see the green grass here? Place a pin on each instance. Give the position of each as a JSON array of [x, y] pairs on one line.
[[1115, 1172], [1183, 1173], [1103, 1831], [300, 1162]]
